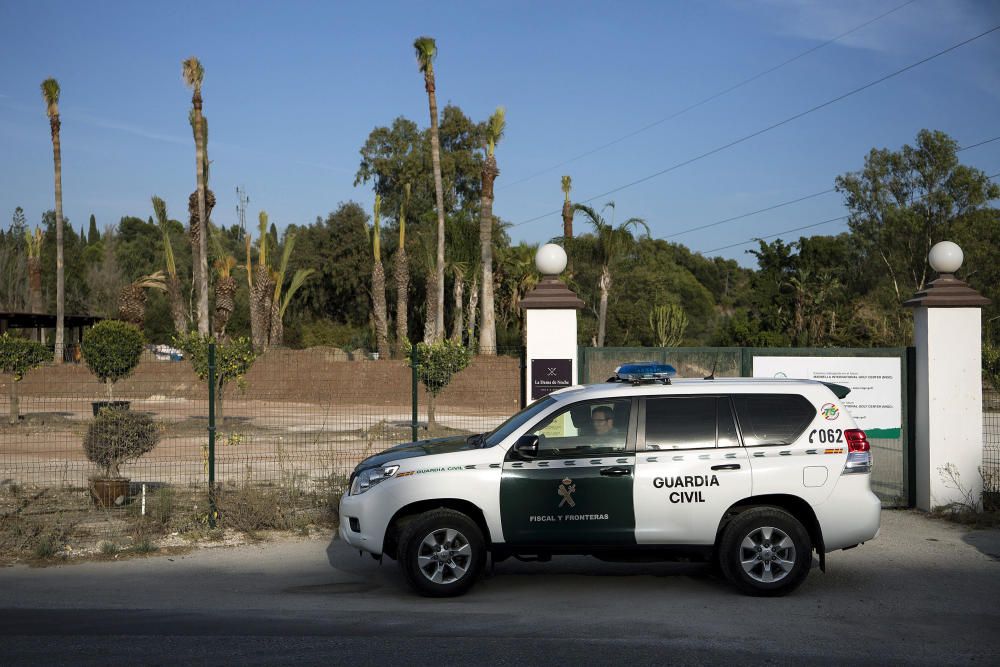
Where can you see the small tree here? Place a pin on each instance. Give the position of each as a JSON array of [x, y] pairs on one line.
[[668, 324], [233, 359], [436, 364], [17, 357], [111, 350], [116, 437]]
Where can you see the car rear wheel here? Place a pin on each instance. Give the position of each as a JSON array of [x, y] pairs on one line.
[[765, 551], [441, 553]]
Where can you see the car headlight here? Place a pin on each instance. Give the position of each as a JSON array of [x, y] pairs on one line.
[[366, 479]]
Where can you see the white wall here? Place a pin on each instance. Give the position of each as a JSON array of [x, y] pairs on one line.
[[949, 409], [551, 335]]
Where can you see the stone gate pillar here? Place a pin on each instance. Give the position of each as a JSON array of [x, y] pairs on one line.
[[947, 328], [550, 321]]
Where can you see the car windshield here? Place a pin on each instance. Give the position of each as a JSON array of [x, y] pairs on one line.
[[497, 435]]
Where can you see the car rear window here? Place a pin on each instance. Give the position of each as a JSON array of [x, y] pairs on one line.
[[772, 419]]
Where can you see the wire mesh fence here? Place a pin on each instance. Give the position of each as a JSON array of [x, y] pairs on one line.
[[991, 450], [287, 437]]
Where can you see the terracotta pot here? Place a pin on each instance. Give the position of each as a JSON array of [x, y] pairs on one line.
[[114, 405], [110, 492]]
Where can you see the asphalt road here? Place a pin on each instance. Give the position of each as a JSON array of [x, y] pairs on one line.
[[924, 592]]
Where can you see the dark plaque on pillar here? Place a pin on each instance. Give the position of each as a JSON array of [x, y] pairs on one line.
[[548, 375]]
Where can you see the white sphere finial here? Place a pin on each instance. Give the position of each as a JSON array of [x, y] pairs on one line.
[[550, 260], [945, 257]]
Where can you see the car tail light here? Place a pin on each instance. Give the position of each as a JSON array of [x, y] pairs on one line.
[[859, 454], [857, 441]]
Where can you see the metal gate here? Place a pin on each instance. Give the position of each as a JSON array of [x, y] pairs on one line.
[[893, 475]]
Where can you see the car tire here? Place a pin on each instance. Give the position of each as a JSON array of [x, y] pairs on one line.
[[765, 552], [441, 553]]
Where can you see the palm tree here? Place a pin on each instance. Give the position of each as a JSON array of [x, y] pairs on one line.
[[426, 51], [402, 278], [261, 288], [567, 209], [178, 309], [612, 244], [132, 298], [488, 328], [194, 73], [276, 335], [225, 288], [33, 244], [459, 269], [50, 93], [378, 286]]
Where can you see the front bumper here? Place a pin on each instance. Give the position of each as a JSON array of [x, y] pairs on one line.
[[361, 524]]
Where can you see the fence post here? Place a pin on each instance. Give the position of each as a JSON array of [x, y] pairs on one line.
[[523, 376], [414, 360], [211, 435]]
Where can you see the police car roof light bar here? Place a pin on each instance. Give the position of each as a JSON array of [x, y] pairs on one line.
[[643, 372]]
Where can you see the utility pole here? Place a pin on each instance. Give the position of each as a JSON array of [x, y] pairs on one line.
[[241, 208]]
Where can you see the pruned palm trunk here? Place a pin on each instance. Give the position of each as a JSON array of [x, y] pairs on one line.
[[426, 52], [261, 297], [487, 328], [402, 278], [459, 324], [35, 284], [203, 218], [199, 233], [225, 293], [567, 216], [380, 310], [602, 313], [430, 322], [60, 269], [276, 335], [473, 304], [178, 307], [132, 305]]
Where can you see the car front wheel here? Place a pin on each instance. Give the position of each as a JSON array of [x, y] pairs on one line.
[[441, 553], [765, 551]]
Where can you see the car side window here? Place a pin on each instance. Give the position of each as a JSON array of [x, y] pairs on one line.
[[773, 419], [590, 428], [682, 422]]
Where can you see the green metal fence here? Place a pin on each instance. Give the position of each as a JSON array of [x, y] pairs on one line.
[[892, 451], [275, 452]]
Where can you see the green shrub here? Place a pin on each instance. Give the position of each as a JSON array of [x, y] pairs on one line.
[[233, 359], [17, 357], [991, 364], [118, 436], [111, 350], [437, 363]]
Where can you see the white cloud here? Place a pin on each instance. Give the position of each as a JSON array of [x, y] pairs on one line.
[[909, 30]]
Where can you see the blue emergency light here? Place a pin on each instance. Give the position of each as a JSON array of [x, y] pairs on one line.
[[644, 371]]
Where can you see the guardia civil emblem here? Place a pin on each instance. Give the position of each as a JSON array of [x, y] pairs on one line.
[[566, 491]]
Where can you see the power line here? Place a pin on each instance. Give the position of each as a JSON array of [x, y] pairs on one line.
[[815, 224], [708, 99], [774, 126], [792, 201]]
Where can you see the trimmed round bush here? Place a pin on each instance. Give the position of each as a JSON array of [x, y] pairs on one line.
[[111, 350], [117, 436]]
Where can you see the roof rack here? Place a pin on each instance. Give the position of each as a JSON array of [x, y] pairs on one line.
[[643, 372]]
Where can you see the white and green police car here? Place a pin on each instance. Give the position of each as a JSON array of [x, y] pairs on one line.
[[751, 474]]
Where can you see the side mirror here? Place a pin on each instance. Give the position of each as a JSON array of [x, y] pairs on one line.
[[526, 446]]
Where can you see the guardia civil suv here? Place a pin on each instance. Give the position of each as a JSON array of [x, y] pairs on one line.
[[752, 474]]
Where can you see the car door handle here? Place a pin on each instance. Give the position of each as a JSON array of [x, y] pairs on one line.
[[615, 471], [727, 466]]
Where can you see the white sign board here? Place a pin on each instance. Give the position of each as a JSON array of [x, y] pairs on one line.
[[875, 400]]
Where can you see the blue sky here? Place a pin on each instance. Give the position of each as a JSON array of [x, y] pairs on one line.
[[292, 90]]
